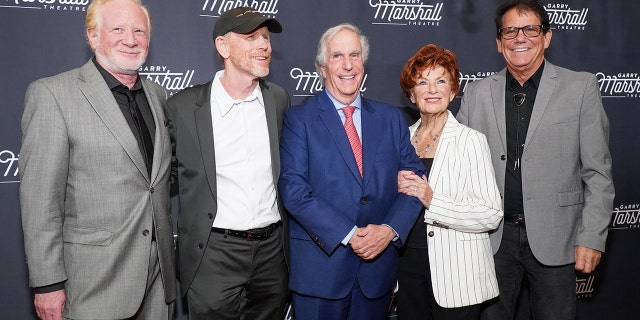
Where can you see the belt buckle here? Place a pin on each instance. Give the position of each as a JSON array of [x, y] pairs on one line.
[[257, 234], [260, 233], [519, 221]]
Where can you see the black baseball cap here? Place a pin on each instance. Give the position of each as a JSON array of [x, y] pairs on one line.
[[243, 20]]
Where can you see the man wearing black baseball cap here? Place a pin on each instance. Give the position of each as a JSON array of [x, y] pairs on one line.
[[232, 230]]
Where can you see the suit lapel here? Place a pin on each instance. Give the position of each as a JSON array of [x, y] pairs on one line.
[[548, 84], [497, 97], [204, 129], [370, 139], [160, 139], [270, 110], [331, 120], [95, 89], [444, 147]]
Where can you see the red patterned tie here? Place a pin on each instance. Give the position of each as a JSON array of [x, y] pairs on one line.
[[352, 134]]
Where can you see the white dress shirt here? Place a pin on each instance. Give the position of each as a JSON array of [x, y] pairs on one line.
[[246, 193]]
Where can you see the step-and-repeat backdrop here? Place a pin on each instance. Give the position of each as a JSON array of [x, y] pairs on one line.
[[40, 38]]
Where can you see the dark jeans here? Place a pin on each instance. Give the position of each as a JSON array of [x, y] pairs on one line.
[[552, 288]]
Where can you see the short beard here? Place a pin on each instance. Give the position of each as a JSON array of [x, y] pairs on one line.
[[109, 64]]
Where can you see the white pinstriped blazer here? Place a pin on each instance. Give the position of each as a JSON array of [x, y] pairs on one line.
[[466, 205]]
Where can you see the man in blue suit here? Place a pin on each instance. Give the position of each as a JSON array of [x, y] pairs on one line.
[[341, 190]]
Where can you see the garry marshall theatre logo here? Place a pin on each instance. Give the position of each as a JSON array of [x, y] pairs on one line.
[[8, 167], [214, 8], [562, 17], [465, 79], [55, 5], [309, 83], [626, 216], [406, 12], [620, 85], [584, 287], [171, 81]]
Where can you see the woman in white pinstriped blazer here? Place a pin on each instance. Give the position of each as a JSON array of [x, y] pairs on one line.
[[446, 268]]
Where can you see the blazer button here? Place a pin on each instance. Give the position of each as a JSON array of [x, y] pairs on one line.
[[210, 216], [430, 233], [363, 201], [152, 190], [145, 233], [200, 245], [503, 157]]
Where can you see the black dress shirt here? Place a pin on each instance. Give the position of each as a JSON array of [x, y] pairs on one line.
[[143, 127], [517, 121]]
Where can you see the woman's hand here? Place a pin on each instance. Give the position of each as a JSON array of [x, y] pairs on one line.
[[411, 184]]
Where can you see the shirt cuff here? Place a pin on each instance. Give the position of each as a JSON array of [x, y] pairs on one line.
[[394, 231], [346, 239], [49, 288]]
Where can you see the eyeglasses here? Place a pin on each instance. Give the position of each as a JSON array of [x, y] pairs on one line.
[[529, 31], [519, 99]]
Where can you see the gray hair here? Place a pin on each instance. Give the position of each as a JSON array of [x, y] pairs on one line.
[[321, 56]]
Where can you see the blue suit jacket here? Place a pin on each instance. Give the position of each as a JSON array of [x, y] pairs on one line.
[[325, 195]]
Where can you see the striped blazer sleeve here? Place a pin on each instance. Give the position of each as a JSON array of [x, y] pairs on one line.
[[465, 194]]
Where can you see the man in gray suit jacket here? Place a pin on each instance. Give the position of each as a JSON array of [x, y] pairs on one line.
[[94, 167], [548, 134], [226, 163]]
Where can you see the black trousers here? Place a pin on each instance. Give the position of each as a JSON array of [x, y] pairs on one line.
[[415, 299], [552, 290]]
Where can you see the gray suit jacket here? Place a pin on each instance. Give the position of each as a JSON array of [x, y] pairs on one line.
[[566, 165], [193, 169], [88, 203]]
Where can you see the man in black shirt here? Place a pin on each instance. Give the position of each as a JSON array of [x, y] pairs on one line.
[[94, 190], [548, 134]]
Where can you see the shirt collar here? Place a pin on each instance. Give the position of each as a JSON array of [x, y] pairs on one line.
[[338, 105], [224, 101], [533, 81], [111, 81]]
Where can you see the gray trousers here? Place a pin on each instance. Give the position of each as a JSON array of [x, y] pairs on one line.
[[240, 279]]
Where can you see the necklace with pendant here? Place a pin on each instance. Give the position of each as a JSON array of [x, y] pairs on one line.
[[430, 146]]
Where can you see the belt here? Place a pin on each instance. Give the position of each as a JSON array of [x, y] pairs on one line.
[[256, 234], [517, 219]]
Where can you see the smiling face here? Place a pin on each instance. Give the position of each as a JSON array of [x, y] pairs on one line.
[[121, 39], [523, 54], [344, 68], [246, 55], [432, 92]]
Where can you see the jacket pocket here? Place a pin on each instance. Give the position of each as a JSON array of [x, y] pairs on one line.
[[570, 198], [87, 235]]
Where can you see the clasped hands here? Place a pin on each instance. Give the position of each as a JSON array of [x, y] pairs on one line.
[[370, 241]]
